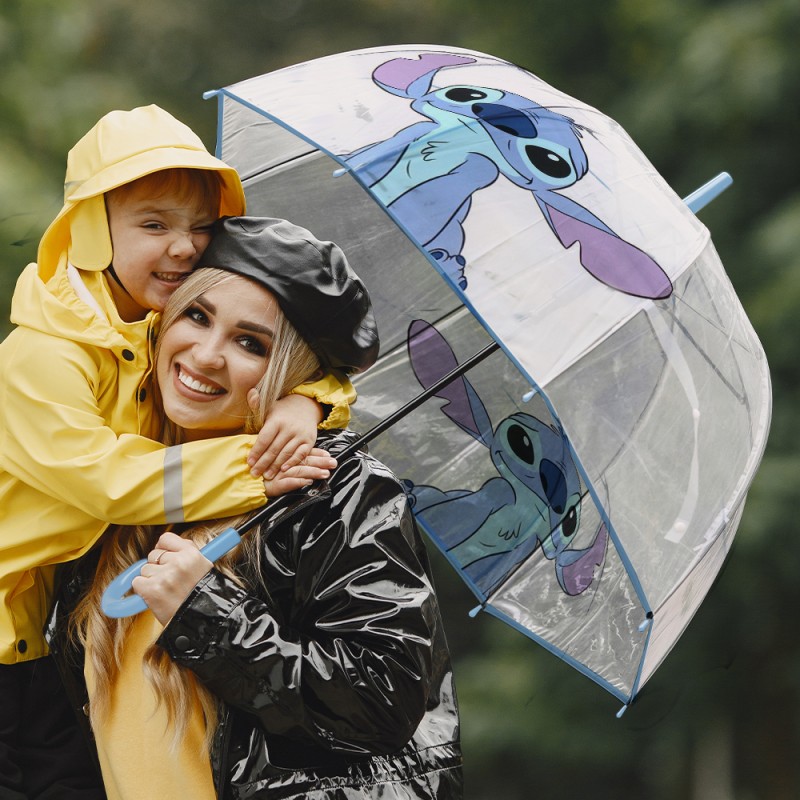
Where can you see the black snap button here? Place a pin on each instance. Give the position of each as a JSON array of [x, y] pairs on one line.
[[128, 355], [142, 395], [182, 643], [22, 645]]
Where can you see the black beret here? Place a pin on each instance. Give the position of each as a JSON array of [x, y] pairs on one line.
[[316, 288]]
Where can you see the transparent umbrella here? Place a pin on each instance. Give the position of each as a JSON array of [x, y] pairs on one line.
[[586, 473]]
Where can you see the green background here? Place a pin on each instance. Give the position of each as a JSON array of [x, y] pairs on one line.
[[702, 86]]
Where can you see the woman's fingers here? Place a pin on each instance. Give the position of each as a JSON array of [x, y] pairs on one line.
[[173, 568]]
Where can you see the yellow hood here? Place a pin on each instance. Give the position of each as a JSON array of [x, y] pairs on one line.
[[121, 147]]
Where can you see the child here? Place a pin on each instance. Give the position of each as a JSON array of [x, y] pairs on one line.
[[77, 426]]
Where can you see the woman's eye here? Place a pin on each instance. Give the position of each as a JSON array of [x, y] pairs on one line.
[[253, 346], [196, 315]]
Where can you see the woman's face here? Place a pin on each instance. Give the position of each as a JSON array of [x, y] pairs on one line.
[[213, 354]]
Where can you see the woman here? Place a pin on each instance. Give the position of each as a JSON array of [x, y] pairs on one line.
[[311, 661]]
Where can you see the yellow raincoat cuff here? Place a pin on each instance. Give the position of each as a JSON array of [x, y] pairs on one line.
[[336, 393]]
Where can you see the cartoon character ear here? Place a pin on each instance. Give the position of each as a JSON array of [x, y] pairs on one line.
[[575, 568], [397, 76], [611, 260], [431, 359]]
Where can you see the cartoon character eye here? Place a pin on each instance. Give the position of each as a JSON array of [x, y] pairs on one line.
[[551, 161], [520, 444], [467, 95], [570, 522], [548, 162]]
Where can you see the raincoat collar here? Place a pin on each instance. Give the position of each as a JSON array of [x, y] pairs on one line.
[[77, 305]]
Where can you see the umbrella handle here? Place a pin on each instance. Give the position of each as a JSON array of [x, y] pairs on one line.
[[115, 604]]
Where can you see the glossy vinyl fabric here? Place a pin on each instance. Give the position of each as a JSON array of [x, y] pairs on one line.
[[336, 683]]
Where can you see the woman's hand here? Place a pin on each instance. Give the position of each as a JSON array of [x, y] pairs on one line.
[[174, 567], [287, 436], [315, 467]]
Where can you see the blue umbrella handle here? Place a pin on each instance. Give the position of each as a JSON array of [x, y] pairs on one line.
[[116, 605]]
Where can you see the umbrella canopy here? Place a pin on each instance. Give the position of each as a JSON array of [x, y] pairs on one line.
[[586, 479]]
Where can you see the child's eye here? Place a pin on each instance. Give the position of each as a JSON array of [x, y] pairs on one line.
[[153, 226]]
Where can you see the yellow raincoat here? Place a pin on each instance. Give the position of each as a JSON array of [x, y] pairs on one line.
[[76, 415]]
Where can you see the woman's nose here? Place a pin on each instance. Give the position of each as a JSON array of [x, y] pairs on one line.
[[208, 353]]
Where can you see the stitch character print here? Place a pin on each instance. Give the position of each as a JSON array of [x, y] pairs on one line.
[[427, 173]]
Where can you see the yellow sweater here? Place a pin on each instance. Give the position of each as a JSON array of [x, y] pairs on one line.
[[134, 742]]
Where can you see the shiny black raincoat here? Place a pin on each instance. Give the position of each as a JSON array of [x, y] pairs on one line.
[[336, 682]]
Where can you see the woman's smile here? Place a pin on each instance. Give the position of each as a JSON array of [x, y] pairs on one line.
[[196, 383]]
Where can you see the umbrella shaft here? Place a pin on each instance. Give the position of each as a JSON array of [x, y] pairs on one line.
[[383, 425]]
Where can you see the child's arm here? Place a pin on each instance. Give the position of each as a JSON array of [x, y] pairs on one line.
[[291, 428], [289, 434], [55, 440]]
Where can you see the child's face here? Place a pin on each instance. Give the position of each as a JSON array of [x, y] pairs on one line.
[[212, 356], [157, 241]]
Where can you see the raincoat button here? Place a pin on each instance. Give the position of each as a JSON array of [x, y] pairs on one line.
[[128, 355], [142, 395], [85, 709], [182, 643], [22, 645]]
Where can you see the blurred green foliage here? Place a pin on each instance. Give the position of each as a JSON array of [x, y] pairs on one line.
[[702, 86]]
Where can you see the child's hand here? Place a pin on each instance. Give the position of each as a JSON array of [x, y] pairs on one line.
[[287, 436], [174, 567], [316, 466]]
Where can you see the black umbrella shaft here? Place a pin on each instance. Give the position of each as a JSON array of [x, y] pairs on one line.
[[387, 423], [383, 425]]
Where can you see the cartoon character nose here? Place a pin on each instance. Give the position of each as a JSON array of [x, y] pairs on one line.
[[506, 119], [554, 485]]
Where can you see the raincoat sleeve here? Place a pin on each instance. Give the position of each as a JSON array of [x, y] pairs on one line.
[[345, 664], [55, 439], [336, 393]]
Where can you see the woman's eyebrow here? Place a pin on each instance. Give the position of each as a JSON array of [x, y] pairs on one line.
[[242, 324], [208, 306], [252, 326]]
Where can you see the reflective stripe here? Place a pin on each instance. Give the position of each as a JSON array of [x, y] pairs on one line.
[[173, 484]]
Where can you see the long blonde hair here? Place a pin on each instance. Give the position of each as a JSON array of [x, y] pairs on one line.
[[291, 362]]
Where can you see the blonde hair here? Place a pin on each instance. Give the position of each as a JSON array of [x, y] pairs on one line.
[[291, 362]]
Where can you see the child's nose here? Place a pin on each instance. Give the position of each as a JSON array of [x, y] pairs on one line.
[[182, 245]]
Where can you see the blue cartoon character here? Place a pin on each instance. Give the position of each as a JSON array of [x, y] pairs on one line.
[[427, 173], [535, 501]]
